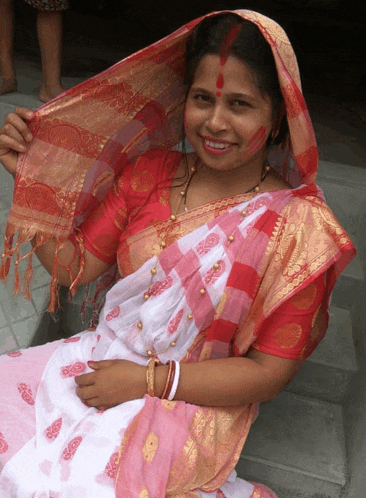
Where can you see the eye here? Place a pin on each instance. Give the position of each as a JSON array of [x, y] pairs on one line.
[[201, 98], [240, 104]]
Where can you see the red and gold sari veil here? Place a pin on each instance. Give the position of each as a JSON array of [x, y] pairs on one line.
[[132, 107]]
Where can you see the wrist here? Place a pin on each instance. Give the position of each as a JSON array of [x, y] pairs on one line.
[[161, 373]]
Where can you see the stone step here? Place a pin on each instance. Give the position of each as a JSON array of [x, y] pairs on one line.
[[296, 447], [327, 373]]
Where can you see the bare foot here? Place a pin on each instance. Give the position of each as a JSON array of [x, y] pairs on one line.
[[8, 85], [47, 94]]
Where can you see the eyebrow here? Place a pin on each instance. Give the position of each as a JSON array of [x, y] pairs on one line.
[[231, 95]]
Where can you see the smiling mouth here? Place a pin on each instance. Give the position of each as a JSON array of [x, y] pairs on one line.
[[216, 145]]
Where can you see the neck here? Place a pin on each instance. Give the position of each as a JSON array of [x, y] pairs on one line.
[[234, 181]]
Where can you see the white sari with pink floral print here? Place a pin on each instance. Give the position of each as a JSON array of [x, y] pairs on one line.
[[51, 444]]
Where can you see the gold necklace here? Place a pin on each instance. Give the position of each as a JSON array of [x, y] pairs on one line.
[[265, 170]]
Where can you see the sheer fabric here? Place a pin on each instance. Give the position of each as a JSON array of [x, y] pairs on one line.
[[275, 278]]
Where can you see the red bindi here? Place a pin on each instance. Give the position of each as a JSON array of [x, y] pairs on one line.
[[218, 94]]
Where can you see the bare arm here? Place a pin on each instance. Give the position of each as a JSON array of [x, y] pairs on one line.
[[93, 267], [231, 381], [222, 382]]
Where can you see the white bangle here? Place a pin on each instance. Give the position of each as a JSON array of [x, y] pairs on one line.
[[175, 381]]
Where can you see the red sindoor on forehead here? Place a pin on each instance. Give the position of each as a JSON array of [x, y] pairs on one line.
[[227, 43], [220, 81]]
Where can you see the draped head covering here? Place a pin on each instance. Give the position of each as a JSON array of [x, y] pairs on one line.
[[84, 137]]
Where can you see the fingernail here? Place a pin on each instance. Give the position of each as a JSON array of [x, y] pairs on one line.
[[29, 137], [91, 362], [29, 114]]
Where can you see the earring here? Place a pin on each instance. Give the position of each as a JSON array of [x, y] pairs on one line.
[[274, 135]]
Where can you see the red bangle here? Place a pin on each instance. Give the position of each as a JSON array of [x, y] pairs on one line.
[[169, 381], [165, 392]]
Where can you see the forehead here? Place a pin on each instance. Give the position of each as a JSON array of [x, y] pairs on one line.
[[238, 76]]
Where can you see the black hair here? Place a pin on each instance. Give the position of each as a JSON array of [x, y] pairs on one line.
[[248, 45]]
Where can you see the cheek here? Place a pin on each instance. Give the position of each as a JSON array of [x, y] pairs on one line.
[[258, 139], [190, 120], [256, 142]]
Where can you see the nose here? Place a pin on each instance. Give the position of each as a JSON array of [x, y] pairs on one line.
[[217, 119]]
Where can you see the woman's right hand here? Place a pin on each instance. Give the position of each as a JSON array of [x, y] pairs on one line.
[[15, 137]]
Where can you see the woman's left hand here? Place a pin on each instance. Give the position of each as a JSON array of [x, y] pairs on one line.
[[113, 382]]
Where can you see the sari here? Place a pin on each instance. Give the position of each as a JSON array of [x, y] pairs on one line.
[[282, 242]]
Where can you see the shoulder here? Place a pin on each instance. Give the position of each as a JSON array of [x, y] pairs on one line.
[[146, 170], [156, 159], [306, 218]]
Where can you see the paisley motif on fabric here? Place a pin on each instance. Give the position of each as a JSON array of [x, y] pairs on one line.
[[71, 448], [72, 339], [212, 275], [26, 393], [53, 430], [206, 245], [116, 95], [160, 286], [3, 444], [113, 314], [14, 354], [70, 137], [257, 204], [150, 447], [72, 370], [174, 322], [112, 467]]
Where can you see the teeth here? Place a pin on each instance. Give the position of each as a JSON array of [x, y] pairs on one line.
[[216, 145]]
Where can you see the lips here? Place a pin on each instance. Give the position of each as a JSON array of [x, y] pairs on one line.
[[216, 147]]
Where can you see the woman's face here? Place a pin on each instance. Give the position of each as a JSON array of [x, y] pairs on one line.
[[227, 118]]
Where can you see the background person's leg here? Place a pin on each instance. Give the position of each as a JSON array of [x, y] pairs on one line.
[[49, 30], [8, 82]]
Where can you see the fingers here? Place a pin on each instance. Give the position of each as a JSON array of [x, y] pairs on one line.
[[10, 138], [93, 402], [86, 393], [97, 365], [85, 379], [15, 126], [24, 112]]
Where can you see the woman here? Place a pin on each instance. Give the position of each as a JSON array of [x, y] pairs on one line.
[[228, 264]]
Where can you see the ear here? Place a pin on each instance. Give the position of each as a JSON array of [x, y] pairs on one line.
[[277, 125]]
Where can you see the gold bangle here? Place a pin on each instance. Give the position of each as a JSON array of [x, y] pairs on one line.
[[150, 375]]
